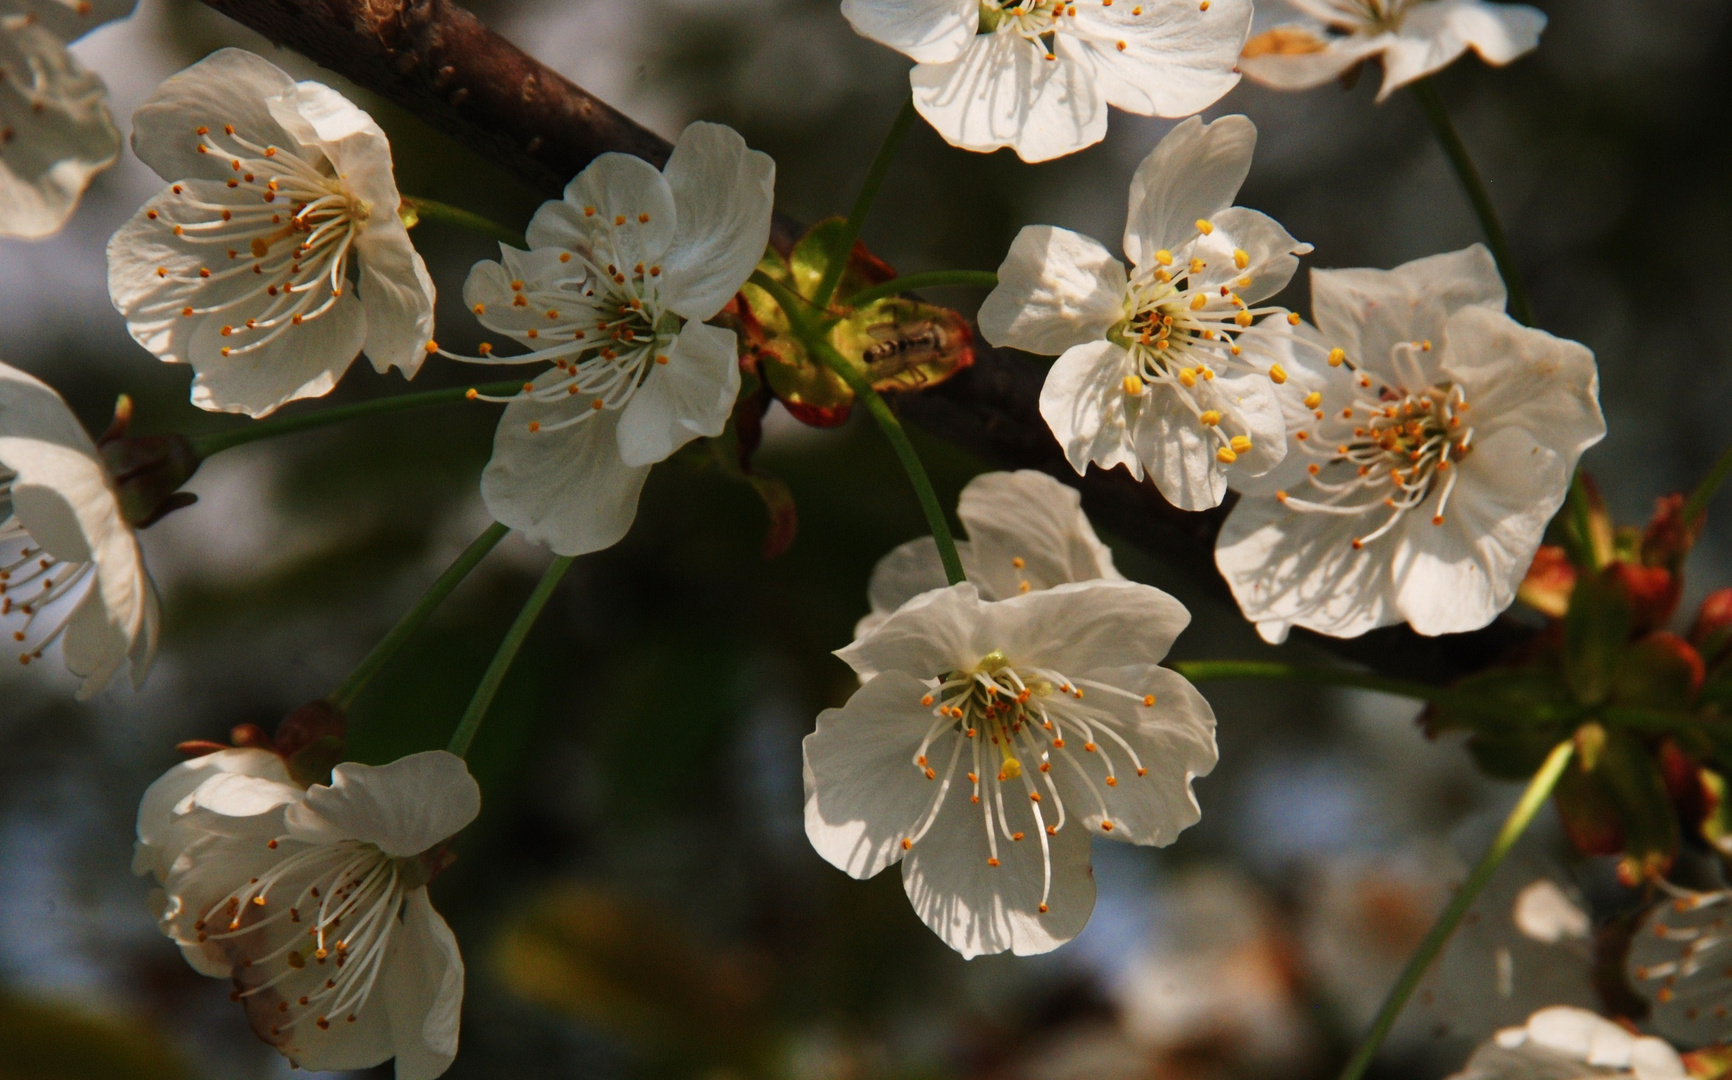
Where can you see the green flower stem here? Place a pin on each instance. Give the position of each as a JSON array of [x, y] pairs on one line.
[[429, 210], [1538, 790], [502, 660], [826, 290], [1582, 517], [931, 279], [1212, 670], [1697, 505], [344, 696], [1431, 103], [800, 320], [215, 443]]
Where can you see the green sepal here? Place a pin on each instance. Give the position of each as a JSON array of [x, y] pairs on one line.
[[1511, 728], [1596, 628]]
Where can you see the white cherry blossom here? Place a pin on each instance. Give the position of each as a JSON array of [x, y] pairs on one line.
[[1038, 75], [1566, 1043], [992, 739], [1413, 39], [1433, 439], [613, 293], [1026, 532], [71, 571], [242, 266], [314, 902], [1680, 960], [55, 131], [1156, 370]]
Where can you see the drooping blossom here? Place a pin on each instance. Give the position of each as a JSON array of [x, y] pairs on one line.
[[992, 739], [1679, 961], [1562, 1041], [314, 901], [1156, 370], [55, 131], [1412, 38], [1026, 532], [1038, 75], [71, 571], [1433, 437], [614, 291], [276, 255]]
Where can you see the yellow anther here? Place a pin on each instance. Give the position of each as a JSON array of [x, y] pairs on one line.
[[1133, 386], [1210, 418], [1205, 226], [1292, 318], [1226, 456], [1187, 377], [1277, 374], [1336, 357], [1164, 257], [1313, 399], [1243, 318], [1197, 266], [1208, 374], [1240, 258], [1199, 301], [1241, 443]]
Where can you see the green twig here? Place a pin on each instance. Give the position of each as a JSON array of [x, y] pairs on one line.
[[931, 279], [344, 696], [1538, 790], [863, 205], [1211, 670], [1431, 103], [216, 442], [1697, 505], [456, 215], [514, 638], [812, 337]]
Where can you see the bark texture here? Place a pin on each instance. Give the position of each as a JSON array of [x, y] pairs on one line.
[[438, 61]]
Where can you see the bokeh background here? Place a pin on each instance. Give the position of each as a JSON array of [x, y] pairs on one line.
[[638, 898]]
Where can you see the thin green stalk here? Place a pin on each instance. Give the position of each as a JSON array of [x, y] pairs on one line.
[[1211, 670], [344, 696], [1581, 513], [456, 215], [931, 279], [863, 204], [502, 660], [216, 442], [1538, 790], [813, 338], [1697, 505], [1431, 103]]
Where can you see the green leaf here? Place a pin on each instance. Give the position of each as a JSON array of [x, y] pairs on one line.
[[1596, 628], [1517, 716]]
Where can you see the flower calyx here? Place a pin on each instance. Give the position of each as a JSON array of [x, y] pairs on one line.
[[310, 741], [147, 471]]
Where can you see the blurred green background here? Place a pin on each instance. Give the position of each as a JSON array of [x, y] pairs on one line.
[[638, 898]]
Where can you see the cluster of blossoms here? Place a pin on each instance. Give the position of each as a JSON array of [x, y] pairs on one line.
[[1397, 460]]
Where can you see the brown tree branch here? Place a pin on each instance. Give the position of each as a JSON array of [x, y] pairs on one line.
[[439, 62]]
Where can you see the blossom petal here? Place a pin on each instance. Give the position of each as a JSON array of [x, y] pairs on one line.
[[1083, 402], [1082, 626], [230, 86], [1181, 454], [864, 794], [1027, 532], [724, 194], [159, 838], [1056, 289], [980, 909], [566, 488], [1191, 175], [1433, 35], [1163, 57], [909, 570], [691, 395], [32, 410], [926, 31], [1370, 312], [55, 131], [1174, 739], [1002, 91], [1291, 569], [489, 294], [236, 803], [205, 872], [396, 296], [69, 20], [1515, 375], [422, 991], [1299, 56], [348, 137], [1458, 576], [404, 808], [931, 634], [619, 207], [1269, 250]]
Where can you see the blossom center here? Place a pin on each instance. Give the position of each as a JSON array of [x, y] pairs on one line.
[[1017, 721], [280, 242], [1388, 452], [308, 936], [38, 592], [1032, 19]]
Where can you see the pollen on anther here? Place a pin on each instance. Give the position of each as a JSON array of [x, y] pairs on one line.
[[1336, 356], [471, 393], [906, 843], [534, 425], [1205, 226], [431, 347], [992, 862], [1277, 374], [1148, 700]]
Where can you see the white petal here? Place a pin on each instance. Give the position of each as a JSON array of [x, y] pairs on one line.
[[931, 634], [421, 990], [567, 488], [1056, 289], [69, 20], [619, 206], [1004, 92], [244, 796], [1175, 741], [404, 808], [691, 395], [55, 132], [1192, 174], [159, 837], [31, 409], [204, 873], [927, 31], [489, 286], [1083, 402], [396, 295], [1082, 627], [1288, 568], [724, 194], [1306, 57], [1654, 1059], [864, 794], [980, 909], [1163, 57], [1433, 35], [1269, 249], [1543, 913], [1369, 312], [1578, 1033], [909, 570], [230, 86], [1180, 454], [1458, 576], [1517, 376], [351, 140], [1027, 531]]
